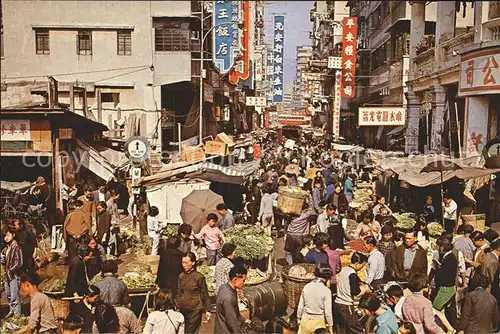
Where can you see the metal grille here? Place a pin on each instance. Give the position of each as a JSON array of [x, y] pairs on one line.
[[42, 42], [84, 43], [174, 37], [124, 42]]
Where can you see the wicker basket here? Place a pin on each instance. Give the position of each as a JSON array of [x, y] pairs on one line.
[[61, 308], [291, 199], [477, 221], [293, 286]]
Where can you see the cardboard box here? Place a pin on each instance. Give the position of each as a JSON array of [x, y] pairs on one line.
[[216, 147], [194, 154]]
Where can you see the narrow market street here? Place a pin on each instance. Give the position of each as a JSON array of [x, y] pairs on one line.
[[255, 167]]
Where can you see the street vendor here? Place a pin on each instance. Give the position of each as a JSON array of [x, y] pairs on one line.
[[450, 209], [367, 227], [380, 204]]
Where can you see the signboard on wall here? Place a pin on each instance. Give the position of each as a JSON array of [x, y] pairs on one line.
[[349, 44], [336, 104], [480, 73], [226, 35], [15, 130], [278, 50], [382, 116], [253, 101]]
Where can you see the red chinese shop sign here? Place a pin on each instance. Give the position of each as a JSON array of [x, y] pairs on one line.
[[381, 116], [349, 43], [15, 130]]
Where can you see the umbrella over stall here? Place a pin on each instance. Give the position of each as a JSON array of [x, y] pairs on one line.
[[197, 205], [441, 166]]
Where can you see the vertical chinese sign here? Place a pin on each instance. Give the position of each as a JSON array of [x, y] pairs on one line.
[[241, 69], [349, 44], [336, 104], [279, 41], [225, 34]]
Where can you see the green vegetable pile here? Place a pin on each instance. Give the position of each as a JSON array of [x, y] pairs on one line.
[[363, 195], [169, 231], [435, 229], [14, 323], [208, 272], [251, 242], [406, 220], [95, 279], [143, 281], [56, 286]]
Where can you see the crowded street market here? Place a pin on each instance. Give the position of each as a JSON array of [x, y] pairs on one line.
[[240, 207]]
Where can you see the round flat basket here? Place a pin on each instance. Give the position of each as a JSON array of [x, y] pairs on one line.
[[61, 307], [292, 285]]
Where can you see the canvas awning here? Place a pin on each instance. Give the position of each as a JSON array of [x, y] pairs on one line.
[[408, 169], [351, 148], [91, 159]]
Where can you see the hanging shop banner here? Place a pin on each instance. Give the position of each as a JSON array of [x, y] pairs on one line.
[[255, 101], [349, 43], [279, 41], [241, 69], [15, 130], [336, 104], [225, 37], [378, 116], [480, 72], [258, 66]]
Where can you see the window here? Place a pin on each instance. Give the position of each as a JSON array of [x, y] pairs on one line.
[[171, 35], [124, 42], [84, 42], [42, 42], [110, 97]]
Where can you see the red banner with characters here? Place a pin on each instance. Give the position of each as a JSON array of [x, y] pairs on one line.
[[349, 44]]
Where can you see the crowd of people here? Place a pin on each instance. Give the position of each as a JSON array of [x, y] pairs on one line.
[[390, 283]]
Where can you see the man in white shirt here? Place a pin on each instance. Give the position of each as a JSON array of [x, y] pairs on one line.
[[323, 221], [450, 209], [376, 263]]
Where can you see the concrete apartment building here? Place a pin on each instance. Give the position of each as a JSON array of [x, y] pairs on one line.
[[303, 55], [142, 56]]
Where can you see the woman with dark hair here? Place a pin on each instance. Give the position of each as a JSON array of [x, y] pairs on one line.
[[97, 257], [185, 233], [192, 294], [106, 319], [224, 265], [77, 280], [422, 233], [315, 304], [154, 229], [170, 265], [164, 319]]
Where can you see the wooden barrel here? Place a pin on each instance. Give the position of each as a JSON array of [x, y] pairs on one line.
[[265, 301]]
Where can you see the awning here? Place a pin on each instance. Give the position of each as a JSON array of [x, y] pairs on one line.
[[352, 148], [396, 130], [93, 161], [14, 186]]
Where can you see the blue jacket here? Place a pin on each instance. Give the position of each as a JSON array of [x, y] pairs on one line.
[[348, 186], [387, 323]]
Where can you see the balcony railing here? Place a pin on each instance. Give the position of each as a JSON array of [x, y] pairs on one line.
[[425, 63], [449, 49]]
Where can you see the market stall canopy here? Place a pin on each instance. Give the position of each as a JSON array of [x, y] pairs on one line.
[[197, 205], [14, 186], [351, 148], [409, 169], [91, 159], [234, 174]]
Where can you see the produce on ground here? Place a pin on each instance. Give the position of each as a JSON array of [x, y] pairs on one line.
[[95, 279], [56, 285], [435, 229], [406, 220], [363, 195], [135, 281], [208, 272], [169, 231], [14, 323], [255, 276], [252, 243]]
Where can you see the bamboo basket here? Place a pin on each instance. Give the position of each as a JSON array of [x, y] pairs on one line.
[[291, 199], [478, 221], [293, 286], [61, 307]]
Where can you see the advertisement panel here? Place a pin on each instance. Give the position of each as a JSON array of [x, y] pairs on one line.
[[279, 41], [480, 73], [15, 130], [241, 69], [349, 44], [336, 104], [225, 41], [382, 116]]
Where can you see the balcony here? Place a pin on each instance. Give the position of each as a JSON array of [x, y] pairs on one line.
[[450, 48], [425, 63]]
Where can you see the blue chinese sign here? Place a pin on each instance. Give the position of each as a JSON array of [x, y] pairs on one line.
[[279, 41], [225, 34]]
